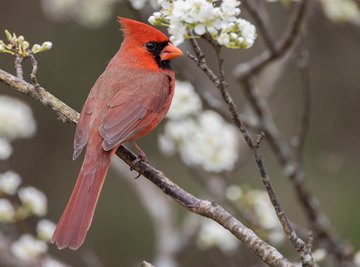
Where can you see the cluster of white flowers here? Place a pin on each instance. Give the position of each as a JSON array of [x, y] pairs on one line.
[[342, 10], [213, 235], [27, 247], [9, 182], [202, 138], [90, 13], [34, 200], [16, 119], [220, 20], [185, 102]]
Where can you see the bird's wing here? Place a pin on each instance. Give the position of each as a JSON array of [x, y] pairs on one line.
[[82, 128], [136, 105], [83, 125]]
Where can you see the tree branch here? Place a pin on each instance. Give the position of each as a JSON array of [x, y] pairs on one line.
[[205, 208], [324, 232], [303, 249]]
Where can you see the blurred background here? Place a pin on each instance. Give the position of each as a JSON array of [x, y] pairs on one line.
[[86, 35]]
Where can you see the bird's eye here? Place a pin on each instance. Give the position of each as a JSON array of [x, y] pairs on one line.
[[150, 46]]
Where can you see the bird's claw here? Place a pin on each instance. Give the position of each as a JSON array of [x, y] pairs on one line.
[[138, 159]]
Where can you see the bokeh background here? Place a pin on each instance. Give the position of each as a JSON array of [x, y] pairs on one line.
[[122, 233]]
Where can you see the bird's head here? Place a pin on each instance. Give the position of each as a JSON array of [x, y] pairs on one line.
[[147, 43]]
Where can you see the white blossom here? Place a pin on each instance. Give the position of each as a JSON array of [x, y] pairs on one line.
[[7, 211], [319, 254], [206, 141], [185, 101], [234, 192], [28, 248], [202, 138], [16, 119], [34, 199], [213, 235], [5, 149], [204, 16], [342, 10], [45, 229], [9, 182]]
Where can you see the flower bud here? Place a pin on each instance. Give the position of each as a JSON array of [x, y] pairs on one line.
[[20, 39], [46, 46], [8, 35], [36, 48], [25, 45]]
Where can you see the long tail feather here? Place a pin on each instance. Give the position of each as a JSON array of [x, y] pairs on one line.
[[78, 214]]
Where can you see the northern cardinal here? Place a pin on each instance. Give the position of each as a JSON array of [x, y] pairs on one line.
[[127, 101]]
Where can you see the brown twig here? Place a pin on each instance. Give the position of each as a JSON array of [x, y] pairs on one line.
[[18, 67], [202, 207], [219, 81], [262, 25], [34, 64], [288, 40], [292, 167], [302, 63]]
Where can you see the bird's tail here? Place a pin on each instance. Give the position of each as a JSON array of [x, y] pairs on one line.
[[78, 214]]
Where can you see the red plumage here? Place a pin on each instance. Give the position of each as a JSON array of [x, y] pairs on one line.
[[127, 101]]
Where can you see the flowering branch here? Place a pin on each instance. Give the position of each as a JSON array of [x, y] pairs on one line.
[[303, 249], [325, 234], [204, 208]]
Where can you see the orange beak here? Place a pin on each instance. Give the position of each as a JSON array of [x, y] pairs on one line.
[[170, 52]]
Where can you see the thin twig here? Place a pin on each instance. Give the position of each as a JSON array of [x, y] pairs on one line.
[[302, 63], [219, 81], [288, 40], [323, 231], [18, 66], [34, 64], [262, 25], [205, 208]]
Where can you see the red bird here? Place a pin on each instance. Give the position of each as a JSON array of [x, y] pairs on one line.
[[127, 101]]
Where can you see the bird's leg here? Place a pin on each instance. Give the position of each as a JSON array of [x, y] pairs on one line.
[[141, 154], [140, 157]]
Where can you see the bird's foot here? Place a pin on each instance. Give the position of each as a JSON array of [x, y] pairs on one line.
[[139, 158]]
